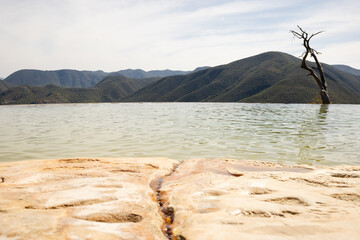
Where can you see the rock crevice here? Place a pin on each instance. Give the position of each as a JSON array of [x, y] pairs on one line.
[[158, 198], [166, 211]]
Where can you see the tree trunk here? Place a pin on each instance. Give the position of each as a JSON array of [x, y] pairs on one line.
[[325, 97], [321, 81]]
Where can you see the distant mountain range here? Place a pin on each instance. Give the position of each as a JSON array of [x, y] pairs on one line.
[[139, 73], [80, 79], [271, 77], [111, 89], [64, 78], [347, 69], [5, 85]]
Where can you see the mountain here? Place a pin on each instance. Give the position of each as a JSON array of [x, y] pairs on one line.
[[65, 78], [108, 90], [271, 77], [201, 68], [4, 86], [79, 79], [343, 89], [48, 94], [348, 69], [139, 73], [114, 88]]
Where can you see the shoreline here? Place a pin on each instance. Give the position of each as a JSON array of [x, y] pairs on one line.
[[161, 198], [283, 163]]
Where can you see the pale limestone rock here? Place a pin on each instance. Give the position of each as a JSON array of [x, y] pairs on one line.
[[269, 201], [210, 199], [81, 199]]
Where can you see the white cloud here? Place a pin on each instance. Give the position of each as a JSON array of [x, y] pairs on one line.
[[158, 34], [342, 53]]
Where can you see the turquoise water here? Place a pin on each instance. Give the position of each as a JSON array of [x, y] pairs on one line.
[[288, 133]]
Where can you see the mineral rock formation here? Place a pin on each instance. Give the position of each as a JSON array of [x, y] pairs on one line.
[[229, 199], [148, 198], [81, 199]]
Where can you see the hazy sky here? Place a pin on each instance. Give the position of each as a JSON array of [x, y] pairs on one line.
[[176, 34]]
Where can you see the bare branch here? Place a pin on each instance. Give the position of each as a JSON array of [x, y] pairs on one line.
[[319, 80], [300, 28], [316, 51], [314, 34], [296, 34]]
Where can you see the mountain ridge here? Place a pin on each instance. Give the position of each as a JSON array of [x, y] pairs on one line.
[[271, 77], [63, 77], [82, 79], [347, 69], [110, 89], [5, 86], [240, 80]]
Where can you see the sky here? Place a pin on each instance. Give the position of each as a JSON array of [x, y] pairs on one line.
[[112, 35]]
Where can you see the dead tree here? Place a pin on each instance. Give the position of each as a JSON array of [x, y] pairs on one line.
[[319, 80]]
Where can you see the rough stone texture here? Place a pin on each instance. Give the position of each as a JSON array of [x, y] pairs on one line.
[[81, 199], [228, 199], [210, 198]]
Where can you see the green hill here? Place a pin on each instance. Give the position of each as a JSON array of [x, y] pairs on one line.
[[139, 73], [109, 90], [114, 88], [64, 78], [4, 86], [48, 94], [79, 79], [271, 77], [348, 69]]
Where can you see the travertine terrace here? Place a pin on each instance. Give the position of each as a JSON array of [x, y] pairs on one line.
[[158, 198]]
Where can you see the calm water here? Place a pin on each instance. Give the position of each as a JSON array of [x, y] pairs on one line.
[[296, 133]]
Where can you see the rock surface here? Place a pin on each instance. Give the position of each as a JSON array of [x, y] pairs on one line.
[[230, 199], [198, 198], [81, 199]]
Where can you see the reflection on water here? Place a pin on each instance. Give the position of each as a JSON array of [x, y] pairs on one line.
[[311, 137], [292, 133]]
